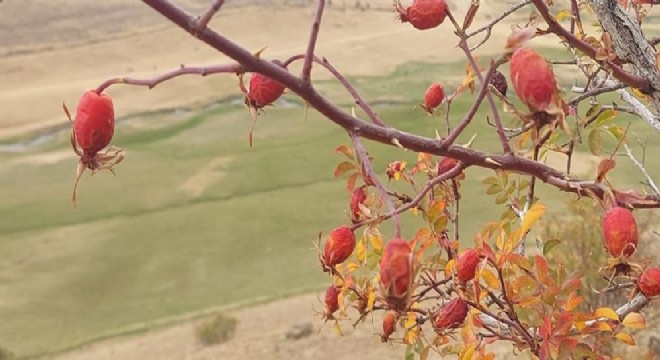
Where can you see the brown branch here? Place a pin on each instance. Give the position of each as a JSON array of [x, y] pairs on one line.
[[182, 70], [387, 135], [313, 36], [204, 20]]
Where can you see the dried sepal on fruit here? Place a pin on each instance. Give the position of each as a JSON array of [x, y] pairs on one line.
[[423, 14], [338, 247], [262, 91], [396, 274], [93, 129]]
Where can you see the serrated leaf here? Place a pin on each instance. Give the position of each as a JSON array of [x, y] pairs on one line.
[[605, 116], [634, 321], [606, 313], [595, 142], [531, 217], [549, 245], [625, 338], [344, 167]]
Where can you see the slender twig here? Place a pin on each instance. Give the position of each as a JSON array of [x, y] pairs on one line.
[[204, 20], [594, 91], [182, 70], [488, 28], [361, 152], [455, 171], [642, 169], [313, 36]]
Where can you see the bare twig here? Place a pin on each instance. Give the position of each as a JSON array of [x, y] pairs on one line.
[[313, 36], [182, 70], [488, 28], [368, 168], [642, 169], [204, 20]]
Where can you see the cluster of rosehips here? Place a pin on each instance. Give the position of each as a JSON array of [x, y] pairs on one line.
[[620, 238]]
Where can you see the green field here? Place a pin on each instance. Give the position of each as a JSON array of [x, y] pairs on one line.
[[195, 219]]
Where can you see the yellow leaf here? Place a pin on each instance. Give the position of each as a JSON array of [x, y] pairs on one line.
[[563, 14], [467, 353], [634, 321], [450, 267], [338, 329], [490, 279], [371, 299], [352, 266], [606, 313], [603, 326], [531, 217], [625, 338], [376, 241], [361, 250]]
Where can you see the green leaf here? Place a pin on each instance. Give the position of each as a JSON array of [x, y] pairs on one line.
[[501, 198], [593, 110], [491, 180], [604, 117], [617, 132], [523, 184], [410, 352], [595, 142], [494, 189], [549, 245]]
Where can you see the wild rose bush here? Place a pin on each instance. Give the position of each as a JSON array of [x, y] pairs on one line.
[[436, 294]]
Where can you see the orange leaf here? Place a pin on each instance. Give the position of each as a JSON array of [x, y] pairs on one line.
[[634, 321], [604, 167], [347, 151], [469, 16], [343, 167], [625, 338], [606, 313]]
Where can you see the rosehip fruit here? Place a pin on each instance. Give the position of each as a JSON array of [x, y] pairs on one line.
[[396, 273], [94, 124], [450, 316], [649, 282], [620, 232], [93, 128], [338, 247], [435, 95], [263, 90], [447, 163], [423, 14], [466, 265], [358, 198], [499, 82], [331, 301], [533, 79], [389, 326]]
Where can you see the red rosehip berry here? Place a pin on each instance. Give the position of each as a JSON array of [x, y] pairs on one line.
[[331, 301], [338, 247], [450, 316], [466, 265], [435, 96], [620, 232], [447, 163], [533, 79], [389, 326], [649, 282], [423, 14], [358, 198], [396, 273], [93, 128]]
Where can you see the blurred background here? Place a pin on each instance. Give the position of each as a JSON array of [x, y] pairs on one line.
[[202, 247]]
